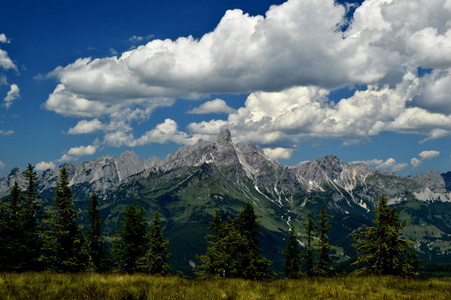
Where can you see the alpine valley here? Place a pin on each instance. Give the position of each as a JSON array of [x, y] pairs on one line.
[[191, 183]]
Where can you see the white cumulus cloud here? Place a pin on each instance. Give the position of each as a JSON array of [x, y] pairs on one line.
[[85, 126], [278, 152], [217, 106], [2, 165], [13, 94], [76, 152], [6, 62], [429, 154], [389, 165], [288, 61], [416, 162], [3, 38], [42, 166]]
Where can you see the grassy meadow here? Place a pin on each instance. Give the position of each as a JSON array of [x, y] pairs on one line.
[[118, 286]]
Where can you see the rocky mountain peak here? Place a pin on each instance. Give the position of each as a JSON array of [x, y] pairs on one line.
[[224, 136], [128, 164]]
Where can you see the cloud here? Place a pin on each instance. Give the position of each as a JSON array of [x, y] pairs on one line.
[[429, 154], [4, 39], [416, 162], [6, 62], [85, 126], [8, 132], [390, 165], [288, 61], [42, 166], [76, 152], [113, 51], [424, 155], [13, 94], [278, 153], [296, 44], [2, 164], [217, 106], [139, 39], [302, 113], [162, 133]]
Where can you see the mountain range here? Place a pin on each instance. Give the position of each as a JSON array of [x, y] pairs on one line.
[[188, 185]]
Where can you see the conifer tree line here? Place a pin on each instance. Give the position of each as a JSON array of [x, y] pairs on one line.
[[34, 240]]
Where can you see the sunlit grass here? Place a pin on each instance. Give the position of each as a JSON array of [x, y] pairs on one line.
[[118, 286]]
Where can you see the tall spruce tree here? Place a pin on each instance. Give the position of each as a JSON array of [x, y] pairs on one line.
[[33, 215], [213, 261], [65, 247], [255, 265], [19, 235], [309, 260], [96, 246], [234, 250], [293, 256], [133, 240], [155, 261], [381, 249], [323, 266]]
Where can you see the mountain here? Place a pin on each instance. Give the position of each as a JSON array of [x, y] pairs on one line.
[[190, 184]]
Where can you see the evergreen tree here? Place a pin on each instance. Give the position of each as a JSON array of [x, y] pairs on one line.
[[234, 250], [155, 261], [96, 246], [293, 256], [65, 247], [133, 239], [381, 249], [19, 236], [32, 214], [256, 266], [213, 260], [323, 267], [309, 255], [31, 184]]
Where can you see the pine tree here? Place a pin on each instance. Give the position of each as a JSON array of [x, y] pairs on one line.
[[213, 260], [293, 256], [381, 249], [96, 246], [133, 240], [65, 247], [155, 261], [32, 214], [310, 255], [19, 235], [323, 267], [255, 266], [234, 250]]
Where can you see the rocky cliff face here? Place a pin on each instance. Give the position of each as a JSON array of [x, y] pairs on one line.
[[101, 175], [239, 162]]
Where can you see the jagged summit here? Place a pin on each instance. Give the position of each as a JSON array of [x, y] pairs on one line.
[[224, 136], [238, 162]]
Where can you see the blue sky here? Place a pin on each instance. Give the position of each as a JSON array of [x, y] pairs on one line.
[[368, 81]]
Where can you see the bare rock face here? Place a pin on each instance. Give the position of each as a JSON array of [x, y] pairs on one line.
[[128, 164], [153, 163], [432, 180], [224, 136], [447, 178], [330, 170], [15, 175], [240, 163], [101, 175]]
